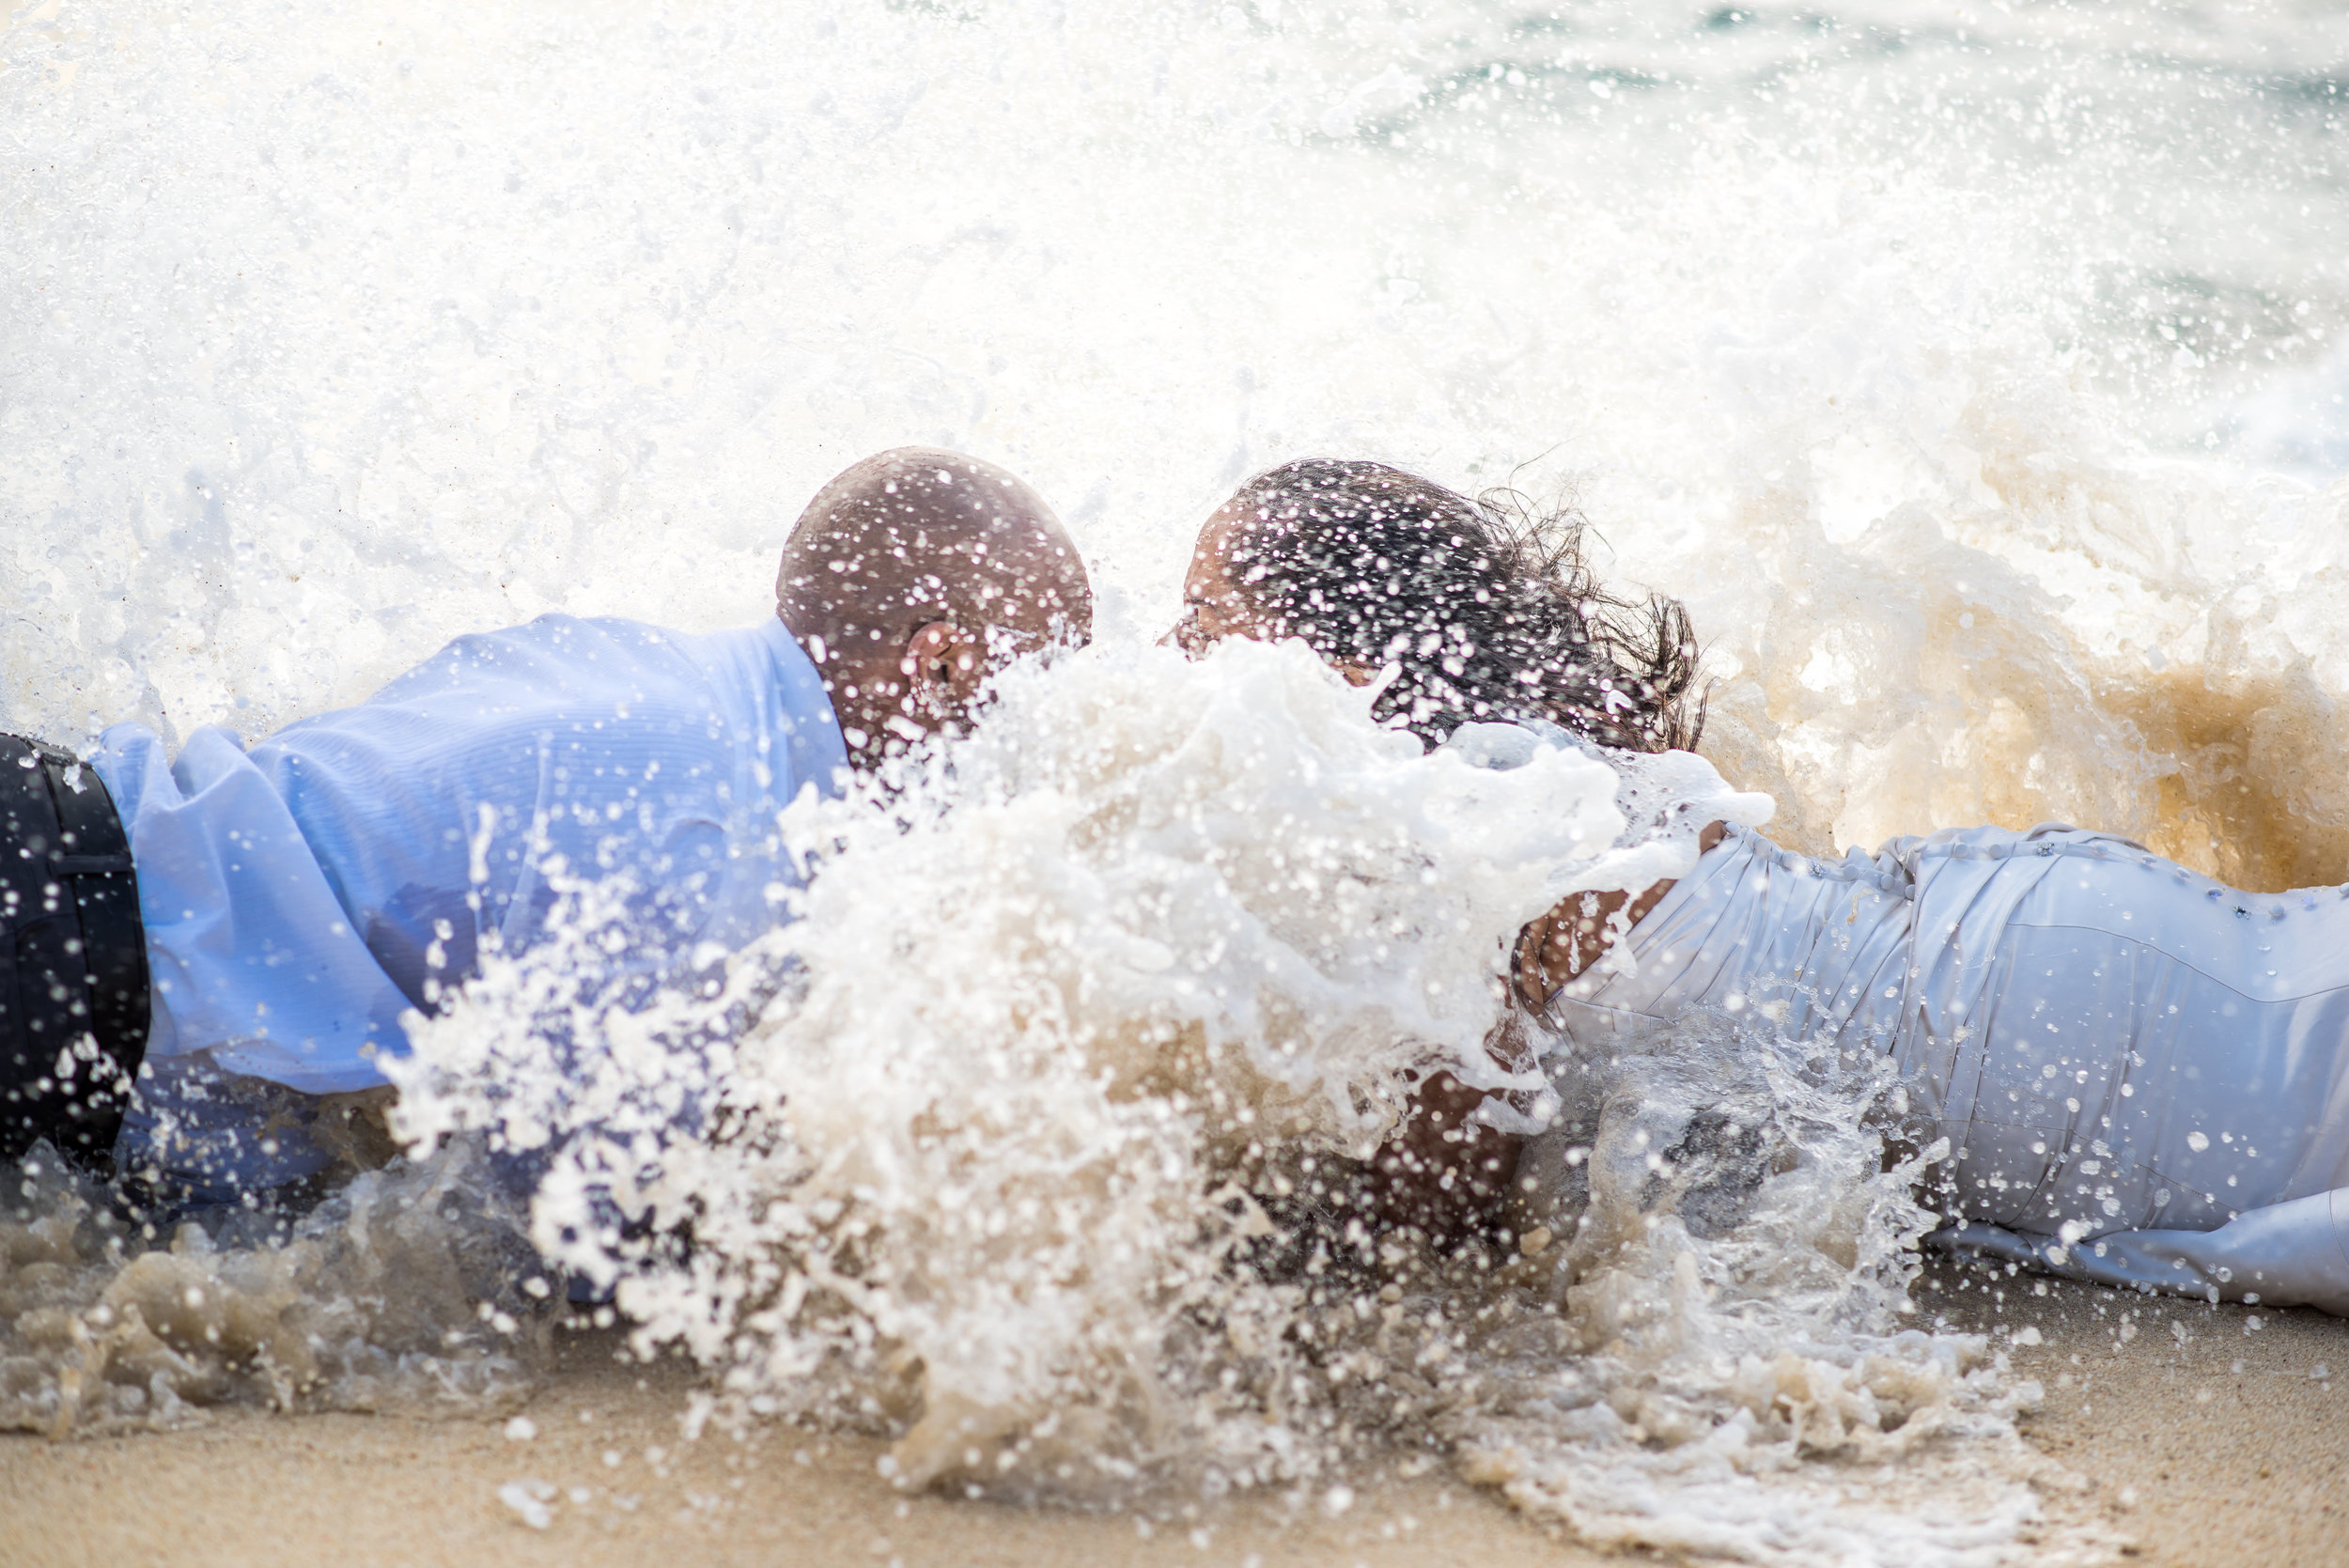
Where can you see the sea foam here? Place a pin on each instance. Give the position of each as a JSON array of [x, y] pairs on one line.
[[1042, 1152], [1976, 381]]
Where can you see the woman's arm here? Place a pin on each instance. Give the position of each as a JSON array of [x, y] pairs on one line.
[[1446, 1174], [1440, 1173], [1568, 939]]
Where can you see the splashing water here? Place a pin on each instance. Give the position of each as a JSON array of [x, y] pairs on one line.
[[1734, 1296], [1974, 374], [1064, 1006], [411, 1289], [1040, 1158], [1904, 346]]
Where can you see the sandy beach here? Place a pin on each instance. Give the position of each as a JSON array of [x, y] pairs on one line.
[[2196, 1435], [1975, 377]]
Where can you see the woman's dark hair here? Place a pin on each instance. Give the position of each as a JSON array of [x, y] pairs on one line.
[[1486, 605]]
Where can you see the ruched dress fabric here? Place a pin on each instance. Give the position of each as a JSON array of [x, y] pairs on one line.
[[2143, 1075], [300, 896]]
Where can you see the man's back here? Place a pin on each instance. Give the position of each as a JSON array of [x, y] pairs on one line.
[[592, 750], [293, 903], [298, 898]]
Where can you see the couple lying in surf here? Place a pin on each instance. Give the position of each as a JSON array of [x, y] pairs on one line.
[[2141, 1074]]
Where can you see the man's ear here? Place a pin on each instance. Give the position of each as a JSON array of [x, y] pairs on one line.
[[944, 666]]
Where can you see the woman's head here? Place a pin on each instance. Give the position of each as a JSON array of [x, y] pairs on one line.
[[1487, 610]]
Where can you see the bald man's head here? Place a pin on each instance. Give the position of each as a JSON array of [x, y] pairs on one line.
[[913, 575]]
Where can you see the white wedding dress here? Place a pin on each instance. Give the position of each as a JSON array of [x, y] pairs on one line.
[[2143, 1075]]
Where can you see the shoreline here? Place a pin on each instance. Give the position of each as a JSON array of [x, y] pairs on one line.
[[257, 1490], [2207, 1444]]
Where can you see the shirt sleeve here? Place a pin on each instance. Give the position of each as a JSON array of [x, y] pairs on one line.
[[252, 959]]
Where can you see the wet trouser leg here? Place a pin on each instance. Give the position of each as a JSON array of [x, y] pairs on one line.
[[73, 980]]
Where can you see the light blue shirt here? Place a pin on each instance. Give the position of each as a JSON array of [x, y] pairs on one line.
[[301, 895]]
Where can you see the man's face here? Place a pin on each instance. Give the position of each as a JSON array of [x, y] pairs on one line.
[[915, 679]]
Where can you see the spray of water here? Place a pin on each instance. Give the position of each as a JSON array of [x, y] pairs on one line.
[[1976, 379], [413, 1288], [1043, 1158]]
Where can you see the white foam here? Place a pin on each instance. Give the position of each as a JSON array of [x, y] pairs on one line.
[[1077, 1008], [401, 1292], [1884, 339], [1158, 922]]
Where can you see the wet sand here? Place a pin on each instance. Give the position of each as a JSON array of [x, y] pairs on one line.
[[2206, 1444], [256, 1491], [2199, 1434]]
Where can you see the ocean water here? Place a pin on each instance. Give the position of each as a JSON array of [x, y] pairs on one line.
[[1974, 372]]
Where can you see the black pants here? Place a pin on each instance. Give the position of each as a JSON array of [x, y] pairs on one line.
[[73, 982]]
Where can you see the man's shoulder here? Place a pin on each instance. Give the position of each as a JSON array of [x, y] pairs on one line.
[[564, 659], [587, 634], [595, 636], [548, 648]]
